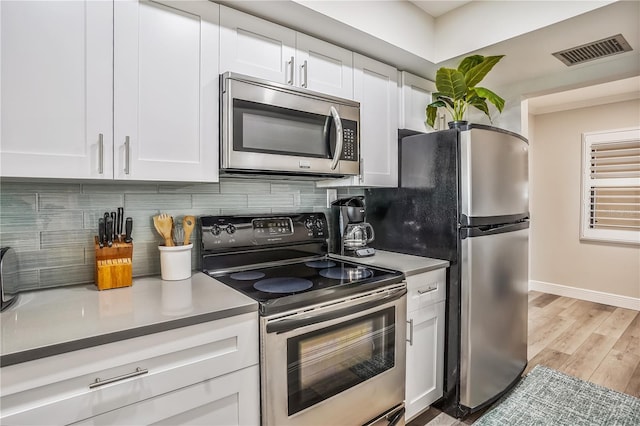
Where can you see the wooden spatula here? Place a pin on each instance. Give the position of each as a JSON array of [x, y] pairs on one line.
[[164, 225], [188, 222]]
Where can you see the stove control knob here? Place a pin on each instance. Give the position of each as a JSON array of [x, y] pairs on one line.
[[231, 229], [319, 224], [308, 223], [215, 230]]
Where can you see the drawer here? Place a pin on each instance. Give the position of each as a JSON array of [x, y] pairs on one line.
[[232, 399], [426, 288], [58, 387]]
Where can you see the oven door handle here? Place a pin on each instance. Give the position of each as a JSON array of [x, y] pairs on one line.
[[288, 324]]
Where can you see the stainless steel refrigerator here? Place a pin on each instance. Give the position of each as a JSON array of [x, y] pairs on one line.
[[463, 197]]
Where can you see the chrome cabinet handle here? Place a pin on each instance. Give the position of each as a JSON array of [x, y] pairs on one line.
[[338, 153], [290, 64], [304, 74], [100, 153], [428, 290], [410, 339], [127, 154], [138, 372]]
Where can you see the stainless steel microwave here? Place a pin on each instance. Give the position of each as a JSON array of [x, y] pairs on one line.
[[273, 128]]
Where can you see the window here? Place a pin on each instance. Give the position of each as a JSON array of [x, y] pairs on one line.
[[611, 186]]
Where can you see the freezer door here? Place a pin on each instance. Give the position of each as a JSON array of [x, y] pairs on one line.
[[494, 284], [493, 176]]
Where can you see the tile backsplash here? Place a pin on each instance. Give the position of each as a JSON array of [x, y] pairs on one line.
[[51, 225]]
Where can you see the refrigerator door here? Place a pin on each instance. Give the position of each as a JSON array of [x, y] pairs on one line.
[[494, 283], [493, 176]]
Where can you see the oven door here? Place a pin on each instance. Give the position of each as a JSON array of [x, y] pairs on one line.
[[338, 364], [267, 127]]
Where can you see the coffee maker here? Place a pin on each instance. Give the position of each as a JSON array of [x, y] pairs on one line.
[[350, 233]]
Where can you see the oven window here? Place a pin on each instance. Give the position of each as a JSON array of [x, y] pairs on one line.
[[275, 130], [325, 362]]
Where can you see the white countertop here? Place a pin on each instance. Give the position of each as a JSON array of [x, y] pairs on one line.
[[47, 322], [406, 263]]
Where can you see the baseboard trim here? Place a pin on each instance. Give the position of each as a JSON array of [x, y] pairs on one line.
[[584, 294]]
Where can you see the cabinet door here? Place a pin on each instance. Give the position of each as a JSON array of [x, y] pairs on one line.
[[415, 95], [376, 88], [255, 47], [56, 94], [425, 356], [166, 91], [232, 399], [324, 67]]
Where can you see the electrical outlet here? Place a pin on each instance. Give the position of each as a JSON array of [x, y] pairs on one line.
[[332, 195]]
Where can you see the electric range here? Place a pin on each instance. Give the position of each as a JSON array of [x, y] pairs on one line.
[[281, 261], [332, 332]]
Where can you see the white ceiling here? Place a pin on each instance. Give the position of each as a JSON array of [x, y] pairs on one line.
[[437, 8]]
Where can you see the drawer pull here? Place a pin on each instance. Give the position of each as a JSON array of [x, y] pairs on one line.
[[428, 290], [139, 372]]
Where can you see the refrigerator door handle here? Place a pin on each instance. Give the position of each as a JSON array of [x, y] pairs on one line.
[[480, 231]]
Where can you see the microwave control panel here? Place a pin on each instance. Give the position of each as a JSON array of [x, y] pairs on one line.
[[349, 141]]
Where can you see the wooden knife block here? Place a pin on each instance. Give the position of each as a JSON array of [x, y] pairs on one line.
[[113, 265]]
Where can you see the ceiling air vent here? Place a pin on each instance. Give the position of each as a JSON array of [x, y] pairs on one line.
[[595, 50]]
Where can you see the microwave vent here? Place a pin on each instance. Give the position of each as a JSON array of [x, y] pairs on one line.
[[595, 50]]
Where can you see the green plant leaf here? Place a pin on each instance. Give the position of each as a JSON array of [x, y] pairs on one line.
[[469, 62], [440, 97], [478, 72], [496, 100], [481, 104], [450, 83], [432, 112]]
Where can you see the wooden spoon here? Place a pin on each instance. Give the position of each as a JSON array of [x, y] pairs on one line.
[[188, 222], [164, 225]]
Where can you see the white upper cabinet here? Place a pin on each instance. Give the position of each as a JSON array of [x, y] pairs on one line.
[[110, 90], [415, 95], [324, 67], [255, 47], [166, 91], [56, 89], [376, 88], [262, 49]]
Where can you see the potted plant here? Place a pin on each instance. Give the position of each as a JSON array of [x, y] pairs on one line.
[[457, 90]]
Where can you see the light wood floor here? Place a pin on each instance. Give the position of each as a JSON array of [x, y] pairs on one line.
[[594, 342]]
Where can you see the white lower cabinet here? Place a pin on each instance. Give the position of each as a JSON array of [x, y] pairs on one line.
[[229, 400], [425, 340], [200, 374]]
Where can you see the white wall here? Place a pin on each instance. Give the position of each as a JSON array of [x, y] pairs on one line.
[[479, 24], [558, 257], [401, 24]]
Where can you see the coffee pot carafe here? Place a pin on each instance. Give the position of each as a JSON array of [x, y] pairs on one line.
[[358, 235], [350, 232]]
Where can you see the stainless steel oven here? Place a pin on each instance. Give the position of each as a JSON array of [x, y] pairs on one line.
[[332, 332], [267, 127], [336, 363]]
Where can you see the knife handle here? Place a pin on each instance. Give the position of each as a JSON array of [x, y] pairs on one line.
[[128, 226], [113, 225], [101, 232], [109, 231], [120, 218]]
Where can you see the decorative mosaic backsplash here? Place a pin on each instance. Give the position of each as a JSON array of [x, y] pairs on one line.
[[51, 225]]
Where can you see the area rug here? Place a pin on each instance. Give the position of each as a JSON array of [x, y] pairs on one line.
[[549, 397]]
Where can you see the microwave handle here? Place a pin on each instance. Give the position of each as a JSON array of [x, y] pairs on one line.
[[338, 152]]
